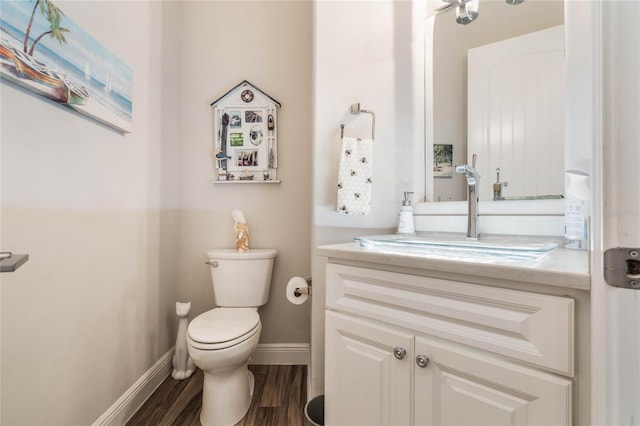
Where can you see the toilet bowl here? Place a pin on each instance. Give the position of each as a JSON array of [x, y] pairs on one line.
[[220, 342]]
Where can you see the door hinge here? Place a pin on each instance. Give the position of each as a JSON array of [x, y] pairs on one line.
[[622, 267]]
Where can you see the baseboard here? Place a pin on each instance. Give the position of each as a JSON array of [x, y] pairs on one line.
[[281, 354], [141, 390], [138, 393]]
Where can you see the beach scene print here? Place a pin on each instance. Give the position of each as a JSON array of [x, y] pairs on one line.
[[442, 161], [46, 52]]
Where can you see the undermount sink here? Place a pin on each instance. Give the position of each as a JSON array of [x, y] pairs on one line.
[[457, 246]]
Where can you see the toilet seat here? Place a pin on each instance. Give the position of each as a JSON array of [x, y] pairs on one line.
[[222, 328]]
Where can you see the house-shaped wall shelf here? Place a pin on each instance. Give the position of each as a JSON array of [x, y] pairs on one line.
[[246, 136]]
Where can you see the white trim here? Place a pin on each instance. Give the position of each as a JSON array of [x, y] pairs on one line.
[[280, 354], [126, 406]]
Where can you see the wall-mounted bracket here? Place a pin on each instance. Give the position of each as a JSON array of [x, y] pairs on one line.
[[299, 291], [622, 267], [9, 262], [356, 110]]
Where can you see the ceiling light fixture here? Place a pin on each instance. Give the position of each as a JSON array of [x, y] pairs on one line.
[[467, 12]]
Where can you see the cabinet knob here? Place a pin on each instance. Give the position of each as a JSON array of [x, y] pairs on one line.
[[422, 361], [399, 352]]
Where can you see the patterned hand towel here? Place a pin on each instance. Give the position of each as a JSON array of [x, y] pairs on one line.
[[354, 176]]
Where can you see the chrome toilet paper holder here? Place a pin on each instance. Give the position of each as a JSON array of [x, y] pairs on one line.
[[304, 290]]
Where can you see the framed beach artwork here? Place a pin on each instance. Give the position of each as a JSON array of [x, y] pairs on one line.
[[443, 161], [46, 52]]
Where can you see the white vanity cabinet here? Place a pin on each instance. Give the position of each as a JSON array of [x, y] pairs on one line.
[[405, 349]]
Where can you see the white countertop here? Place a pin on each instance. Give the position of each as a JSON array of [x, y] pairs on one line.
[[559, 268]]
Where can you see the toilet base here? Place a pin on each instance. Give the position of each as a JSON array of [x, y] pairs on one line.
[[226, 396]]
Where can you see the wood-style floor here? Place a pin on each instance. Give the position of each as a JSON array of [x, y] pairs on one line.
[[279, 397]]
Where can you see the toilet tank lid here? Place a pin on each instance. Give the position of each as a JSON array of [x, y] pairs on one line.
[[234, 254]]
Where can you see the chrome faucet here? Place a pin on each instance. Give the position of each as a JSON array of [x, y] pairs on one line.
[[473, 181]]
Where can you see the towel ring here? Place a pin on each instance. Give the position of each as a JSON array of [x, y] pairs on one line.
[[355, 109]]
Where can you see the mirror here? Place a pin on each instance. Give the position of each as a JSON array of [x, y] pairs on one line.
[[526, 151]]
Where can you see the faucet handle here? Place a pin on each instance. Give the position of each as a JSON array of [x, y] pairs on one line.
[[504, 184]]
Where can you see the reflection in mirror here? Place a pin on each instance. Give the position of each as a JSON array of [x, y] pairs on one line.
[[516, 115]]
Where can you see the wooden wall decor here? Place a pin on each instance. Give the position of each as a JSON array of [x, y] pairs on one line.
[[246, 135]]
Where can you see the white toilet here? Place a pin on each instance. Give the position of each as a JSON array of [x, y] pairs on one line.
[[220, 341]]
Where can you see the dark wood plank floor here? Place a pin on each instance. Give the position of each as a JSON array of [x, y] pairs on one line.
[[278, 399]]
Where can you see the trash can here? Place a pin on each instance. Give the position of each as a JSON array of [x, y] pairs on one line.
[[314, 411]]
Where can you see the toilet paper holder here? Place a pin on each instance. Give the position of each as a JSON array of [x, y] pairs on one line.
[[304, 290]]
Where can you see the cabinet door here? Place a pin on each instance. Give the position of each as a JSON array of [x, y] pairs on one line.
[[462, 386], [365, 383]]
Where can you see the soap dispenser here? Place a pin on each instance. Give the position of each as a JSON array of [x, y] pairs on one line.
[[405, 224]]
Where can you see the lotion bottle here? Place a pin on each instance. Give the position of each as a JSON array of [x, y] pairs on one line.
[[405, 224], [576, 211]]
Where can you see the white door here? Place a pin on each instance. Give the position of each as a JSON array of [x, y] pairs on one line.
[[365, 384], [616, 322], [516, 113], [462, 386]]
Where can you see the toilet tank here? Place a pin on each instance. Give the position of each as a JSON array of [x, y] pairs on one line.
[[241, 279]]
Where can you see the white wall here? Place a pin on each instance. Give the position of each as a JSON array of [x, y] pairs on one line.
[[93, 308], [269, 44], [363, 53]]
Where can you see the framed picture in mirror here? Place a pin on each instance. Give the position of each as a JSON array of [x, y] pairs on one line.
[[443, 161]]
